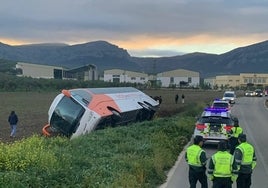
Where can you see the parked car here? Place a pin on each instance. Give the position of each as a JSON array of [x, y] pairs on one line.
[[249, 93], [214, 124], [258, 93]]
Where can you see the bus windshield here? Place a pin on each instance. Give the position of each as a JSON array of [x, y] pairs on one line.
[[66, 116]]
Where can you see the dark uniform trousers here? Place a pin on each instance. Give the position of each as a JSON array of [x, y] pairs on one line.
[[243, 180], [195, 176], [222, 182], [233, 142]]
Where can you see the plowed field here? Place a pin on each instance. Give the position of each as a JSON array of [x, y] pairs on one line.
[[32, 108]]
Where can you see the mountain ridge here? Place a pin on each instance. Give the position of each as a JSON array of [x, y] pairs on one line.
[[251, 58]]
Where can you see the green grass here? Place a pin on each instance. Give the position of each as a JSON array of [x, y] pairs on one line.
[[138, 155]]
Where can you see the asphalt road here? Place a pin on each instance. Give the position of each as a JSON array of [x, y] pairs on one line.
[[253, 118]]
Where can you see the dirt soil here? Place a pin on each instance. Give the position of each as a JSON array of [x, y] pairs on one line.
[[32, 108]]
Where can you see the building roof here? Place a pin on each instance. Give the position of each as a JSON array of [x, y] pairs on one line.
[[179, 72], [83, 68], [125, 72]]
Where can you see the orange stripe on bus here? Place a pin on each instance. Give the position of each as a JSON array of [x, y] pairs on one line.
[[99, 104]]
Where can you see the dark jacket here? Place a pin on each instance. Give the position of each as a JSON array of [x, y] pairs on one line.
[[13, 119]]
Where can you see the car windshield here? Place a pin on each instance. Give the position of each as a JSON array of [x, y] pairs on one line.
[[66, 116], [213, 119], [220, 105], [228, 95]]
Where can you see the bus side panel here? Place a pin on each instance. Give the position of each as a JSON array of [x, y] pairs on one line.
[[88, 123]]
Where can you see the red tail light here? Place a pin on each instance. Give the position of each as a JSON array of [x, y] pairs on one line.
[[228, 127], [200, 127]]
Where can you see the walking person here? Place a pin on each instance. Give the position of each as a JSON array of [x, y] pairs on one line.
[[13, 120], [182, 98], [246, 160], [222, 168], [196, 158], [176, 98], [234, 133]]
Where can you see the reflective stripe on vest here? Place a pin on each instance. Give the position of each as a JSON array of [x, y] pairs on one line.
[[193, 155], [222, 164], [247, 151]]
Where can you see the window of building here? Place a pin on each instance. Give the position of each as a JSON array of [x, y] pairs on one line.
[[142, 78], [171, 80], [189, 80], [245, 80], [116, 76], [116, 80], [133, 78], [58, 73]]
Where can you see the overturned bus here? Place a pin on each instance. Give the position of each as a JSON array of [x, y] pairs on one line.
[[79, 111]]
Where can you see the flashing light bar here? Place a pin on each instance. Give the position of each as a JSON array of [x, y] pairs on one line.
[[216, 110]]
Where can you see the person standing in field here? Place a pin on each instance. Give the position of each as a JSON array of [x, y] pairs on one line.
[[13, 120], [182, 98], [176, 98]]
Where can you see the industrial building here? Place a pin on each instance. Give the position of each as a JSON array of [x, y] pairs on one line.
[[124, 76], [87, 72], [241, 80], [178, 78]]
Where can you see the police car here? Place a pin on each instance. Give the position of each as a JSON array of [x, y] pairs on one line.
[[214, 124], [222, 104]]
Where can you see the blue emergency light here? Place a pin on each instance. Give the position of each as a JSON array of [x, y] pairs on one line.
[[216, 110]]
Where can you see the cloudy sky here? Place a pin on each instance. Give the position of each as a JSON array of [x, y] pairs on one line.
[[142, 27]]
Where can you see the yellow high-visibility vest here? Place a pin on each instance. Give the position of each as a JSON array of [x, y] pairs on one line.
[[247, 151], [222, 164], [193, 155]]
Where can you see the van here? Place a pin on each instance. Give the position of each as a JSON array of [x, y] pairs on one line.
[[229, 96]]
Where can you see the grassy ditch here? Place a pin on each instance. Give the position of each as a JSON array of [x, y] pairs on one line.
[[138, 155]]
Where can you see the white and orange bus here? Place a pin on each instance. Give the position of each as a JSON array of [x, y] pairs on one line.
[[79, 111]]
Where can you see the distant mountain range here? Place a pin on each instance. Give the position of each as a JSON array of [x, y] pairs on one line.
[[249, 59]]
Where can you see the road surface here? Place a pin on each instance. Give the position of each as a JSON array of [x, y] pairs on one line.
[[253, 118]]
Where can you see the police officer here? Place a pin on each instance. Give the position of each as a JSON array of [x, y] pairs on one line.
[[196, 158], [246, 160], [234, 132], [222, 168]]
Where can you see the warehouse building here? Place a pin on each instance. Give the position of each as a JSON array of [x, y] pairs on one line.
[[178, 78], [87, 72], [124, 76], [39, 71]]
